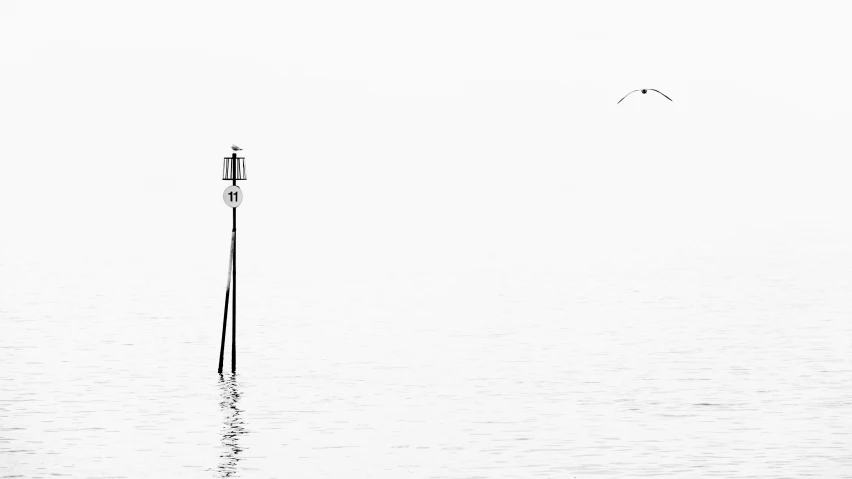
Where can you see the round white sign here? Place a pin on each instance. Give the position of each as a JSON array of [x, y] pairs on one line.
[[233, 196]]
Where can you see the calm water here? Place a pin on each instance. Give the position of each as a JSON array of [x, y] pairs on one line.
[[716, 365]]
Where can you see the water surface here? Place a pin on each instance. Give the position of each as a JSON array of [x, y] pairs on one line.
[[725, 365]]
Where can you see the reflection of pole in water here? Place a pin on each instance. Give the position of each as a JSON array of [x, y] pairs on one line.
[[232, 428]]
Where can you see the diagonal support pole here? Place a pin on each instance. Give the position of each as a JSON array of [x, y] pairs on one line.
[[227, 293]]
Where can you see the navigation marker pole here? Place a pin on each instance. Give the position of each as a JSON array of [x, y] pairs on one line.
[[233, 169]]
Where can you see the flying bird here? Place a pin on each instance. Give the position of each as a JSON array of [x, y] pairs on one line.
[[644, 91], [235, 148]]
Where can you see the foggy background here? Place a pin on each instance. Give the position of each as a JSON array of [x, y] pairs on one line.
[[381, 136], [443, 187]]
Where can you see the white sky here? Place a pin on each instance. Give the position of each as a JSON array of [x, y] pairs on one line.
[[429, 133]]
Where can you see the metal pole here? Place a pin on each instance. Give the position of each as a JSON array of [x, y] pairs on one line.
[[234, 259], [225, 316]]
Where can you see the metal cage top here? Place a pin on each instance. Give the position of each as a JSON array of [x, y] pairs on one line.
[[234, 168]]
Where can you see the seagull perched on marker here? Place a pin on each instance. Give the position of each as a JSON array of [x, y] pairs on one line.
[[235, 148], [644, 91]]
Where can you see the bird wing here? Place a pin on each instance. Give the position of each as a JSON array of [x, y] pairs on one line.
[[661, 93], [625, 96]]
